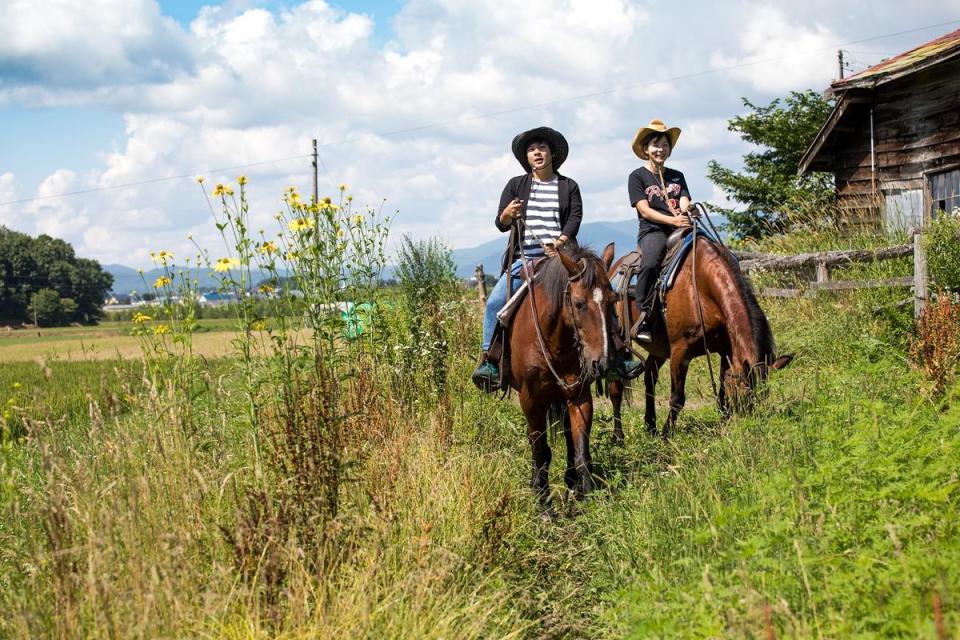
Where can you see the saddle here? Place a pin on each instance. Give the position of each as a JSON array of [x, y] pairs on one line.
[[678, 246], [499, 350]]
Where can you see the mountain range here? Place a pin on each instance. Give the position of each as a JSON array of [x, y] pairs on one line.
[[593, 234]]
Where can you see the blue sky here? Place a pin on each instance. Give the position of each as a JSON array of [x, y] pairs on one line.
[[101, 95]]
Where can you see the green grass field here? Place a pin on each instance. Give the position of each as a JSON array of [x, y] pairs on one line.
[[831, 511]]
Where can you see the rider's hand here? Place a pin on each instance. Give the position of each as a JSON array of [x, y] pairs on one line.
[[511, 211], [681, 221]]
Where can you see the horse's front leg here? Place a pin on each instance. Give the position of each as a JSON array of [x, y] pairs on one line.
[[580, 410], [679, 364], [723, 402], [650, 374], [615, 392], [536, 414]]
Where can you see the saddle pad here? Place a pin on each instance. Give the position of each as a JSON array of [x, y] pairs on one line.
[[669, 273], [505, 315]]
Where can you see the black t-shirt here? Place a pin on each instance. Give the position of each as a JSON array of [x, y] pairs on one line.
[[643, 184]]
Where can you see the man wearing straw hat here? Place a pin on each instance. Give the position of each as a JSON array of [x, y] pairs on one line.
[[550, 208], [662, 200]]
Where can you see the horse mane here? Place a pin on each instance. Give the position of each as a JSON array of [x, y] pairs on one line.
[[762, 335], [553, 277]]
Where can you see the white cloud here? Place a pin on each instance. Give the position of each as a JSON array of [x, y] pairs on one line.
[[246, 85], [8, 192], [777, 55], [91, 43]]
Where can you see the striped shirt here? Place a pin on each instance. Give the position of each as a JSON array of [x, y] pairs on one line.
[[542, 220]]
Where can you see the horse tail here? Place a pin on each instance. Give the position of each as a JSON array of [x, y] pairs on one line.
[[556, 418]]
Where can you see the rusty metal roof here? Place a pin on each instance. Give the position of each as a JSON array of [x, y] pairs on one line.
[[851, 92], [903, 64]]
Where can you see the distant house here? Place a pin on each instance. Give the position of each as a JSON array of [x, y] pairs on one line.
[[893, 138], [118, 298], [215, 298]]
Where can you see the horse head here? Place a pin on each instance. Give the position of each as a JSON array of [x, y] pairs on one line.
[[742, 384], [588, 306]]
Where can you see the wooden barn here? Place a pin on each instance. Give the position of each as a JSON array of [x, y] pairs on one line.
[[893, 138]]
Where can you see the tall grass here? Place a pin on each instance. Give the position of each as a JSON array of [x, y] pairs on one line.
[[316, 484]]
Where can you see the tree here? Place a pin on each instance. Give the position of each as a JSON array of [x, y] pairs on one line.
[[45, 307], [769, 185], [29, 265]]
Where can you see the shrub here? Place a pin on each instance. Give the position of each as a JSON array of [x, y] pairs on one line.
[[428, 282], [943, 251], [935, 349]]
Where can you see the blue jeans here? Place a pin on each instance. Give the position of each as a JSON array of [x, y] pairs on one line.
[[496, 300]]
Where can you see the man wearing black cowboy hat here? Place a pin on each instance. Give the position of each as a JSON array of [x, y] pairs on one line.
[[549, 208]]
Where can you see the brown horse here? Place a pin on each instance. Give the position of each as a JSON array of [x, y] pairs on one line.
[[571, 301], [735, 327]]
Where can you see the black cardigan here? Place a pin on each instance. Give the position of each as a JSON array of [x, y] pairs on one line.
[[571, 209]]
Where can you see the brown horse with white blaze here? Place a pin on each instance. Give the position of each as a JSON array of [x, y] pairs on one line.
[[733, 326], [560, 341]]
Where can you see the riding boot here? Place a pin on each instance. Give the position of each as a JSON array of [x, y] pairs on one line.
[[486, 376]]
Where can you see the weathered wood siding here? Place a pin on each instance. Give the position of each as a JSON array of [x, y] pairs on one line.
[[916, 124]]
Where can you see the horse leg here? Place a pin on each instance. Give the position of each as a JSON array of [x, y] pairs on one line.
[[679, 363], [570, 475], [615, 391], [581, 419], [536, 414], [650, 374], [723, 402]]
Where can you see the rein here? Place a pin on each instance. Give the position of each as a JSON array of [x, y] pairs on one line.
[[536, 319], [696, 294]]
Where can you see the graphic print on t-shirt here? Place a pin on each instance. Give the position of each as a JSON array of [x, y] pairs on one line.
[[673, 191]]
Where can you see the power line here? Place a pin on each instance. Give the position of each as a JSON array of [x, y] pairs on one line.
[[483, 116]]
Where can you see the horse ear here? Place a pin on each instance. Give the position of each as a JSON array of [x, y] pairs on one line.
[[571, 265], [607, 256], [782, 361]]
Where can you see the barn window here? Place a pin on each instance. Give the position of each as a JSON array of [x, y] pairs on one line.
[[944, 191]]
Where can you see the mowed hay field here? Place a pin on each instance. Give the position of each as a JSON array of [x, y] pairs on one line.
[[106, 341], [137, 500]]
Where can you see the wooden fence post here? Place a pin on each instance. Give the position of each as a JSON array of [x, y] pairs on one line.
[[823, 272], [919, 273], [481, 284]]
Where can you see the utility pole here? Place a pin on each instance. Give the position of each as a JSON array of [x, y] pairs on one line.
[[316, 195], [840, 60]]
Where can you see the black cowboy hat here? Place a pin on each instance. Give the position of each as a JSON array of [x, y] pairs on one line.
[[558, 145]]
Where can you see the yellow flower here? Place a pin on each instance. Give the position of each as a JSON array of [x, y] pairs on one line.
[[224, 264], [200, 179], [222, 191], [293, 255], [259, 325], [160, 282], [358, 219], [140, 318], [339, 232], [343, 187], [268, 248], [17, 385], [266, 288], [161, 329], [301, 224], [327, 203], [242, 180]]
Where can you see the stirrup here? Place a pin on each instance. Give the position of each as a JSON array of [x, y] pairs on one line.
[[486, 377]]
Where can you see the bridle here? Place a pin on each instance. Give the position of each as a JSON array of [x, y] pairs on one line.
[[567, 302]]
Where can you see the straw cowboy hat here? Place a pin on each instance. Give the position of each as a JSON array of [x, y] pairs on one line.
[[558, 146], [655, 126]]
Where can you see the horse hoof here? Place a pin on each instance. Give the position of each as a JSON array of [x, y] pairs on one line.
[[618, 438], [548, 515]]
